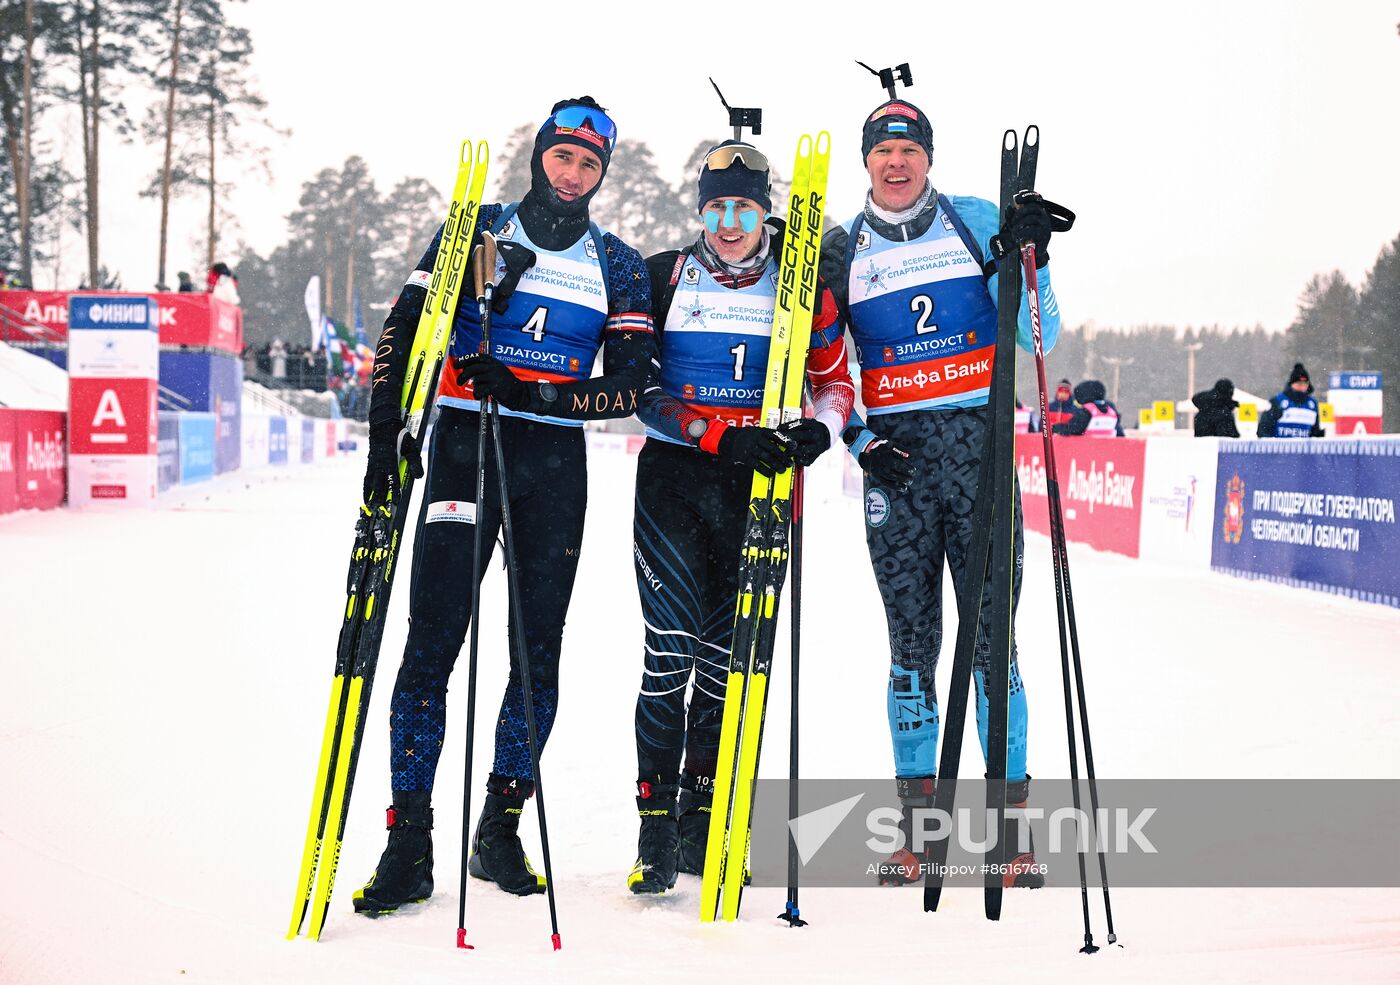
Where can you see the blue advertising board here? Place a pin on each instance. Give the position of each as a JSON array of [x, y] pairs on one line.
[[197, 444], [277, 441], [167, 450], [212, 382], [1355, 381], [100, 311], [1318, 514], [308, 440]]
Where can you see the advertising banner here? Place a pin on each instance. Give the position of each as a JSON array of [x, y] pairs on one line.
[[1100, 489], [195, 320], [112, 423], [33, 475], [197, 444], [9, 493], [308, 440], [277, 441], [1313, 513], [255, 431], [1356, 400], [168, 451], [1177, 496]]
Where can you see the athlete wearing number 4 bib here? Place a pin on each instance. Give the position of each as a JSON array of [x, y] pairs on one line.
[[566, 291], [713, 306], [915, 280]]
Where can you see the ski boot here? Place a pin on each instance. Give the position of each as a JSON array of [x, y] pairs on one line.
[[1022, 870], [694, 825], [497, 855], [405, 870], [906, 865], [658, 843]]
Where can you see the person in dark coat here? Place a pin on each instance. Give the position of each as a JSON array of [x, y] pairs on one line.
[[1095, 415], [1293, 413], [1215, 411], [1061, 409]]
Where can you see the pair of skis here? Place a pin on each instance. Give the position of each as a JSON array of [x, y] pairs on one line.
[[993, 546], [764, 554], [378, 536]]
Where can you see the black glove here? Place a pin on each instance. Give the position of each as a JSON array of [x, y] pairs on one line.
[[811, 438], [389, 441], [765, 450], [1028, 221], [888, 464], [490, 377]]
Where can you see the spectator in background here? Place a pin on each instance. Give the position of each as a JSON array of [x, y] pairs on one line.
[[4, 280], [1293, 412], [1095, 416], [186, 284], [1026, 420], [1215, 411], [1061, 409], [223, 283], [277, 353]]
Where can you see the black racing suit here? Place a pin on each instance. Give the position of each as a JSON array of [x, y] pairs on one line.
[[548, 486]]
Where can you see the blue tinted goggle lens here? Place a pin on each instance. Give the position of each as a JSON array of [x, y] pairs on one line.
[[575, 117], [748, 218]]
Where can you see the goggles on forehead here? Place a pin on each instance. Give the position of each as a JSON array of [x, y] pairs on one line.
[[748, 218], [587, 122], [724, 157]]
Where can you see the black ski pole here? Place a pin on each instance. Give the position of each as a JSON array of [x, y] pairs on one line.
[[791, 913], [522, 656], [483, 267]]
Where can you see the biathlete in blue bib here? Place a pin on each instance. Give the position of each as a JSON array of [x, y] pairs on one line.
[[914, 278], [712, 304], [585, 291]]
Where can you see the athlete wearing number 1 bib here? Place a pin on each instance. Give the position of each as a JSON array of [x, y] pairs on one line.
[[713, 306], [913, 279]]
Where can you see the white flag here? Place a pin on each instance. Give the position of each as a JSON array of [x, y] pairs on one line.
[[313, 310]]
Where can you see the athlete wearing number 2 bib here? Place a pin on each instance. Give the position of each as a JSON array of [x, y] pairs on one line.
[[913, 280]]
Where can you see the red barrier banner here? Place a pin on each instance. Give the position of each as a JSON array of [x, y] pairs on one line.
[[191, 319], [36, 459], [9, 494], [1101, 484]]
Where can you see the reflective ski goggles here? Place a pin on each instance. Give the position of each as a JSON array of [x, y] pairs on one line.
[[586, 122], [724, 157], [748, 218]]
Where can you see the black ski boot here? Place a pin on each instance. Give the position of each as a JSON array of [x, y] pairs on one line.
[[1022, 869], [694, 824], [906, 865], [405, 870], [497, 855], [658, 843]]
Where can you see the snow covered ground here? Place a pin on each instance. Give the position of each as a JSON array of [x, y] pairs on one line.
[[163, 678]]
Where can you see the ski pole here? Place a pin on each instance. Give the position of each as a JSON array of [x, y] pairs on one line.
[[483, 267], [791, 913], [1064, 609], [517, 631]]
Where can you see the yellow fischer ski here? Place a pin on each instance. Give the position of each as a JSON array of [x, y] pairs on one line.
[[378, 533], [763, 562]]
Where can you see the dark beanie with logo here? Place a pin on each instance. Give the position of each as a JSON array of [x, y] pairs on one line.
[[735, 181], [896, 119]]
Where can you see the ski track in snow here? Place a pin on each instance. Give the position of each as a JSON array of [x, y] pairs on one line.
[[163, 698]]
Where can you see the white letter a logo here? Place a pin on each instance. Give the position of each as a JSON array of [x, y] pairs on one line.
[[109, 409]]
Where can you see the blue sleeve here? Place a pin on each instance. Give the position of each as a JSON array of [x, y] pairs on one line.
[[861, 442], [629, 286], [983, 220]]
